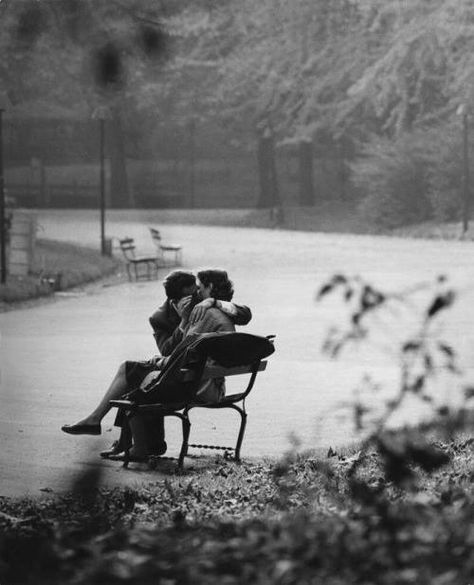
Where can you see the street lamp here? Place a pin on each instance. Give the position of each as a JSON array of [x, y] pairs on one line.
[[463, 111], [4, 103], [102, 113]]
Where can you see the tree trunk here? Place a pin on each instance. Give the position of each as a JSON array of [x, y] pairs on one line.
[[305, 157], [192, 162], [268, 181], [343, 169]]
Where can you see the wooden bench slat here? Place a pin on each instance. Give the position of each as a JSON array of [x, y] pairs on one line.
[[221, 372]]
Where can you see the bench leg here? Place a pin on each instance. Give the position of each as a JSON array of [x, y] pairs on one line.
[[127, 440], [240, 438], [184, 446]]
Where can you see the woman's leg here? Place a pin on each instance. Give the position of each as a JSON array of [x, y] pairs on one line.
[[90, 425]]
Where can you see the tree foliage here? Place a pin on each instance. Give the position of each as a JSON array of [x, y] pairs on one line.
[[347, 66], [344, 66], [345, 70], [424, 357]]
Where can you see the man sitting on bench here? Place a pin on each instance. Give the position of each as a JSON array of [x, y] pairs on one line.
[[211, 284]]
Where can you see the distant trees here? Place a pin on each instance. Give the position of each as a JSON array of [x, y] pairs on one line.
[[358, 71], [394, 177], [413, 177], [351, 70], [345, 66]]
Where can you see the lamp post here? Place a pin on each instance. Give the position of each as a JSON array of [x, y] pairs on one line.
[[4, 102], [102, 113], [463, 111]]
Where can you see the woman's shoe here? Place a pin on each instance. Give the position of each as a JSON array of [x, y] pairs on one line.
[[81, 429]]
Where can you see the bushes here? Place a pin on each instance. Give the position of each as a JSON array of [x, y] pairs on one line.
[[75, 265], [300, 521], [410, 179], [393, 179]]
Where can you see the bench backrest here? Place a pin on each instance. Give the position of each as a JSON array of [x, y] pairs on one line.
[[156, 236], [231, 349], [183, 374], [127, 245]]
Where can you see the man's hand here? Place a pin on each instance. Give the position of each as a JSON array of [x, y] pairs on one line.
[[200, 310], [183, 308], [157, 361]]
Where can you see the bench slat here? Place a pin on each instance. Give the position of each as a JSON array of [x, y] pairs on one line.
[[221, 372]]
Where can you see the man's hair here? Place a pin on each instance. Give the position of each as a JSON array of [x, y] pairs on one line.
[[176, 281], [222, 287]]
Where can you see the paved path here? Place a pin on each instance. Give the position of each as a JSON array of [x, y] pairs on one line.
[[58, 357]]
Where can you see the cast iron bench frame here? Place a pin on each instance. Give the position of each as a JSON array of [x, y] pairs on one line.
[[234, 401]]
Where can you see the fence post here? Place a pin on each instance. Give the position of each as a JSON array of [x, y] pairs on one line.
[[22, 243], [45, 194]]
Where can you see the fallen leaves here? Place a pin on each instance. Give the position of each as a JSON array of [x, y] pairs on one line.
[[289, 522]]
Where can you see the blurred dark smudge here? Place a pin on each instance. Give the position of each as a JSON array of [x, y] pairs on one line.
[[31, 24], [86, 483], [154, 41], [108, 67]]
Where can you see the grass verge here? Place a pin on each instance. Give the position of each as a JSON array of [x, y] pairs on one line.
[[305, 519], [57, 266]]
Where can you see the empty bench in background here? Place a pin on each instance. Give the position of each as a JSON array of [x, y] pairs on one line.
[[135, 262], [212, 355], [166, 250]]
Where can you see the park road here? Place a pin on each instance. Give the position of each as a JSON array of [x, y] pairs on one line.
[[58, 357]]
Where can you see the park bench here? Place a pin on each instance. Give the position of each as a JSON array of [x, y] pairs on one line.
[[166, 249], [150, 263], [212, 355]]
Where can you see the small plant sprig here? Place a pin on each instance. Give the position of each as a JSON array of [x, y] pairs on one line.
[[422, 356]]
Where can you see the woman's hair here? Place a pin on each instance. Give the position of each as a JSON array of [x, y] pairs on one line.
[[222, 287], [176, 281]]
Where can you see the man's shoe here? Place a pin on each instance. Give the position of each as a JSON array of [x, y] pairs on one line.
[[136, 458], [159, 450], [132, 458], [116, 448], [81, 429]]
